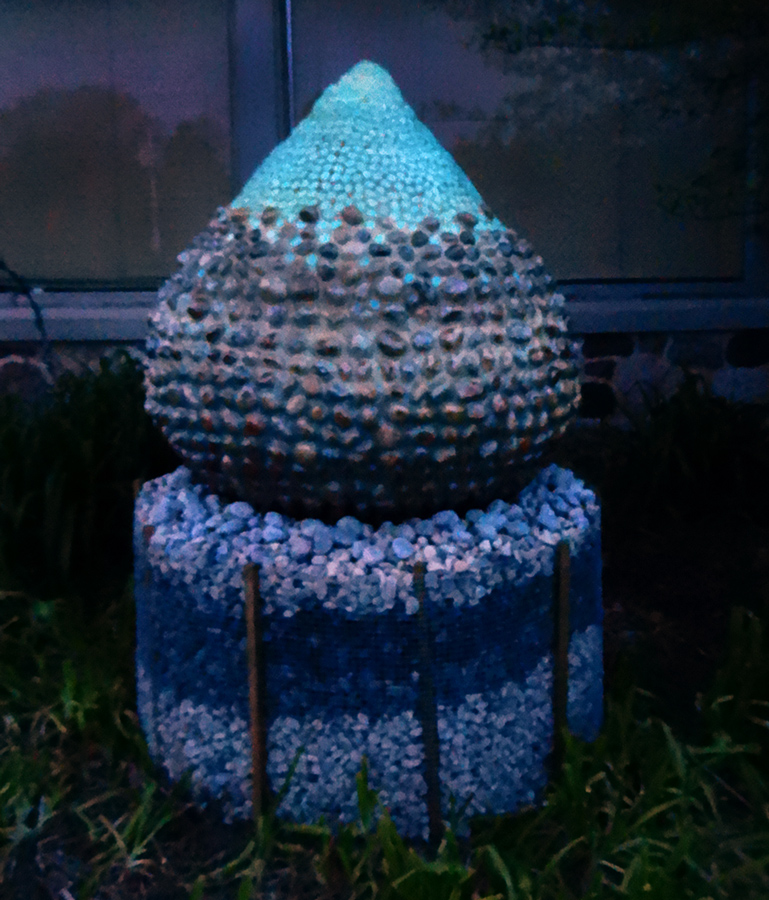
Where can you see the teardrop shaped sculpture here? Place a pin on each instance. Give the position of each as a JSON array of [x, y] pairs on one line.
[[356, 333]]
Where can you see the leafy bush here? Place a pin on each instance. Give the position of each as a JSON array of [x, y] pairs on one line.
[[696, 453], [66, 473], [685, 458]]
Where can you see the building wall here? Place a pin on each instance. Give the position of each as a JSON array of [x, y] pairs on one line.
[[619, 366]]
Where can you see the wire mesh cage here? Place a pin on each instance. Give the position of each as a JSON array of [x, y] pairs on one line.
[[434, 660]]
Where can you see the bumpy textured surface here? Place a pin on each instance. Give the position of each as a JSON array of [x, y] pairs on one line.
[[356, 333]]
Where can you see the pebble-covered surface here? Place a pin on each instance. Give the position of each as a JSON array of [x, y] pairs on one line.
[[356, 332], [493, 749], [341, 643]]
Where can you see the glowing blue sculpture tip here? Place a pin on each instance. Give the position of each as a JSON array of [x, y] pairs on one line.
[[362, 145]]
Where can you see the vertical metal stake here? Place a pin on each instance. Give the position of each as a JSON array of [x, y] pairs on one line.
[[147, 532], [256, 691], [429, 716], [145, 622], [562, 582]]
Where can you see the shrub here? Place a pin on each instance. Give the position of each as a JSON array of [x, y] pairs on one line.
[[66, 473]]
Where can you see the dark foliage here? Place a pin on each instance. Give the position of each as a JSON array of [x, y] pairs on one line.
[[66, 475]]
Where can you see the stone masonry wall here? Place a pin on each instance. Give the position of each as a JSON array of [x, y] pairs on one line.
[[619, 367], [735, 364]]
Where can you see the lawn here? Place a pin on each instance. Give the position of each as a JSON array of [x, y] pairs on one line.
[[671, 801]]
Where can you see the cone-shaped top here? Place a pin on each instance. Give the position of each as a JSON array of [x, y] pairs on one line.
[[366, 83], [363, 145]]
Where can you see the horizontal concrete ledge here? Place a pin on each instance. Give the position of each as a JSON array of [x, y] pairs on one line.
[[105, 323], [81, 300], [123, 317], [674, 314]]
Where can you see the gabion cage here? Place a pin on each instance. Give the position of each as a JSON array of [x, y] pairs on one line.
[[342, 647]]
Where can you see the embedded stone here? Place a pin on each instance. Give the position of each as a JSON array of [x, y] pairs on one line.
[[328, 346], [390, 459], [352, 215], [387, 435], [395, 312], [468, 389], [455, 287], [453, 412], [451, 313], [402, 548], [305, 453], [467, 219], [399, 413], [305, 289], [451, 337], [336, 295], [391, 344], [296, 404], [273, 289], [342, 417], [389, 286], [423, 340], [254, 426]]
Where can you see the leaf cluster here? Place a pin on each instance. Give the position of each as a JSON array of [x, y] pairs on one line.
[[66, 474]]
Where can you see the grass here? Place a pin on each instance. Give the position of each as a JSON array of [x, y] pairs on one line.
[[671, 801]]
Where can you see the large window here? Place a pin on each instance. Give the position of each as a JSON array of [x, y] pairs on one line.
[[114, 135]]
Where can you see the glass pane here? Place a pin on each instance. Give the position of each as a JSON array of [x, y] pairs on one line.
[[114, 135], [567, 145]]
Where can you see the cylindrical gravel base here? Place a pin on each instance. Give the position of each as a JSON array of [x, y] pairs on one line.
[[344, 648]]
